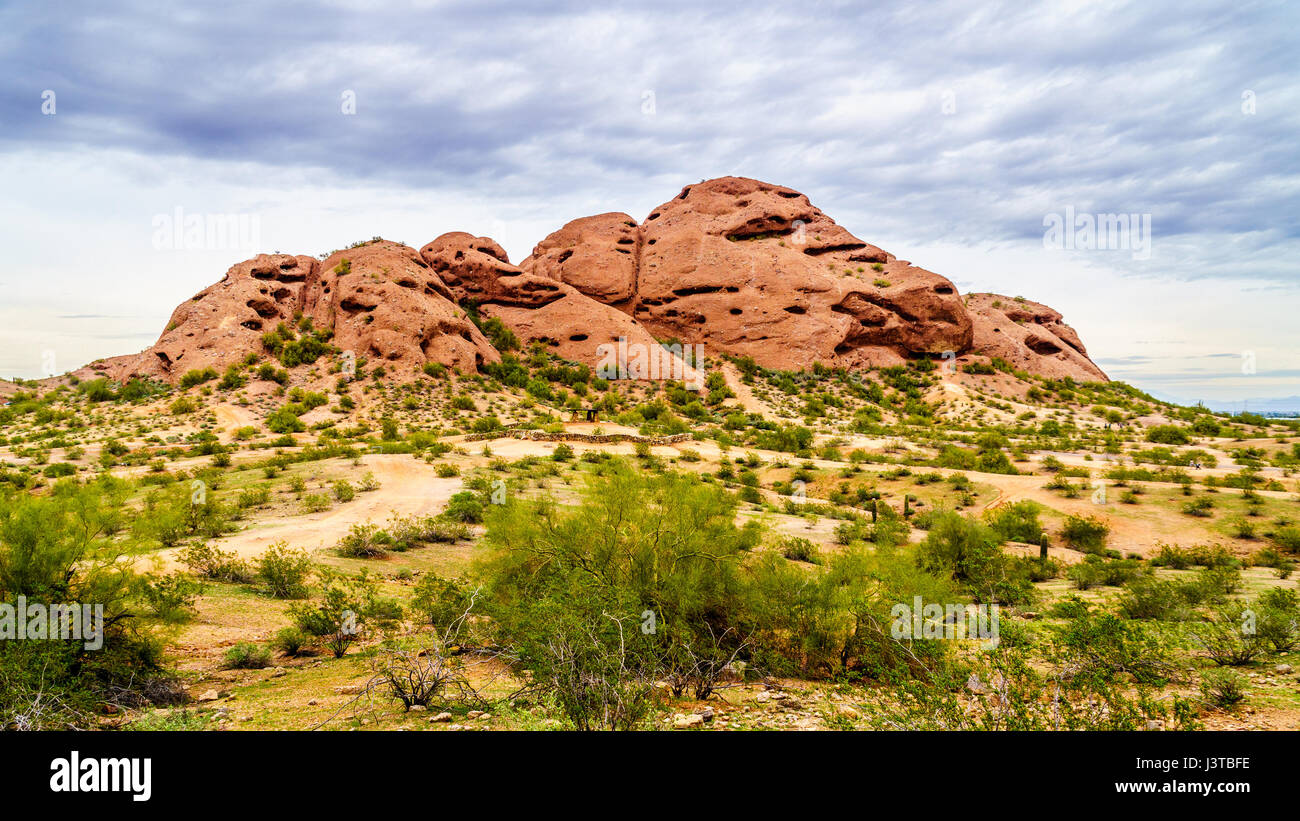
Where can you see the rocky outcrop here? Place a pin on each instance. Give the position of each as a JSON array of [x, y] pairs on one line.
[[733, 265], [545, 309], [379, 301], [750, 268], [597, 255], [1030, 336]]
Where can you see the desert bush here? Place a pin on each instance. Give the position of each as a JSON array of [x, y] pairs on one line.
[[182, 511], [1223, 688], [253, 497], [464, 507], [1172, 556], [428, 675], [348, 605], [1279, 618], [1213, 557], [1004, 691], [798, 549], [197, 377], [1017, 522], [1200, 506], [1085, 533], [408, 532], [839, 620], [971, 553], [441, 602], [1230, 637], [343, 491], [1168, 435], [54, 550], [171, 597], [315, 503], [600, 599], [284, 571], [1287, 538], [290, 640], [1147, 597], [213, 563], [1105, 646], [247, 656], [365, 541]]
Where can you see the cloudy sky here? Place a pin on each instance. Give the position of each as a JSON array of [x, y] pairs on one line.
[[946, 133]]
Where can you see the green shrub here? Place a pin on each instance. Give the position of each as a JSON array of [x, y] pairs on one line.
[[1168, 435], [1085, 533], [253, 497], [347, 606], [284, 571], [285, 420], [441, 602], [197, 377], [971, 553], [171, 597], [246, 656], [58, 548], [343, 491], [315, 503], [1278, 622], [1106, 647], [1200, 507], [290, 640], [213, 563], [638, 583], [1222, 688], [1017, 522], [1287, 538], [1230, 637], [464, 507], [1172, 556], [365, 541], [798, 549]]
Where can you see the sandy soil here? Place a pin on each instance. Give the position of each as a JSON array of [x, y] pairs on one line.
[[232, 417], [407, 488], [744, 395]]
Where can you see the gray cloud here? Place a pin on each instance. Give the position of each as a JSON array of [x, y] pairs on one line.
[[1121, 107], [1134, 108]]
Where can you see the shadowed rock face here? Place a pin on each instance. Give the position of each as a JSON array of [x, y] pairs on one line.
[[735, 265], [542, 309]]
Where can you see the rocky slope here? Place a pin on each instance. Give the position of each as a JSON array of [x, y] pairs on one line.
[[735, 265], [1029, 335]]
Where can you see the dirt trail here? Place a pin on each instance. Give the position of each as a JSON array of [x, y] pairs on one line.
[[232, 417], [744, 395], [407, 488]]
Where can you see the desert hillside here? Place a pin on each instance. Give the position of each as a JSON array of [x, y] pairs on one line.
[[737, 266], [466, 526]]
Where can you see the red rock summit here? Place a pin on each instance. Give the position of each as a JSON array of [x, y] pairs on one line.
[[733, 264]]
